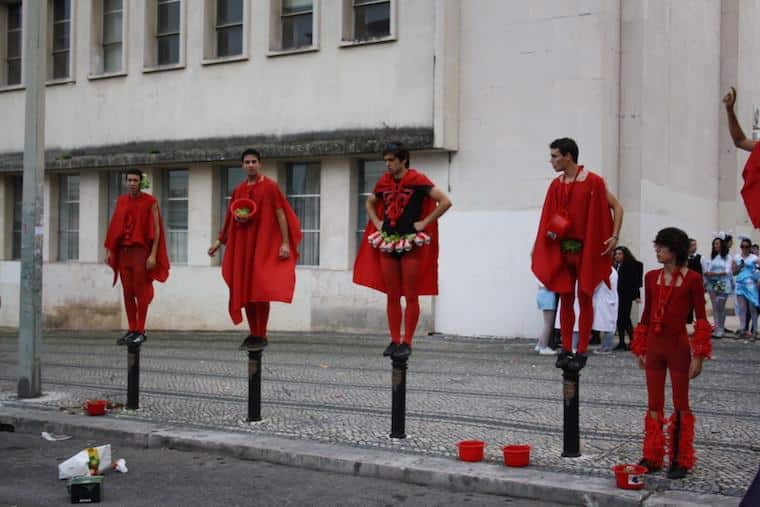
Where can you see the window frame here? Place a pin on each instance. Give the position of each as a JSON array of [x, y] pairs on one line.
[[276, 26], [318, 231], [105, 45], [17, 191], [361, 197], [151, 46], [98, 45], [165, 203], [171, 33], [63, 186], [210, 47], [7, 60], [69, 50], [347, 36]]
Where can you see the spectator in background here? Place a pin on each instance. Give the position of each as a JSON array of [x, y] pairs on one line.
[[630, 278], [547, 303], [718, 279], [694, 263], [745, 266]]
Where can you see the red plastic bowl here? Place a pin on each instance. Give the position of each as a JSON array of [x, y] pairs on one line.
[[471, 450], [243, 203], [629, 476], [95, 407], [516, 455]]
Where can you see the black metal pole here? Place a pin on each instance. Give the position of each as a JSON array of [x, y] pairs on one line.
[[571, 439], [133, 377], [398, 401], [254, 385]]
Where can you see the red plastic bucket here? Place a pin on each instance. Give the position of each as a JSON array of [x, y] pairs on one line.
[[95, 407], [516, 455], [629, 476], [471, 450]]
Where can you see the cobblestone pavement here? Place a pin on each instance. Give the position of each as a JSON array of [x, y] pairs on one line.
[[331, 388]]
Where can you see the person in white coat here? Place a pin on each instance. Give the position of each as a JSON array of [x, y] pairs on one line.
[[605, 301]]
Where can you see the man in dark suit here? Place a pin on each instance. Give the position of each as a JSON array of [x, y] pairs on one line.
[[630, 279], [694, 263]]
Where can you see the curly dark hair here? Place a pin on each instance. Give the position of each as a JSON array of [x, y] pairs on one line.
[[675, 240], [628, 256], [398, 150]]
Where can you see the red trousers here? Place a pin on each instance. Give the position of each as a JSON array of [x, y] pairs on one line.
[[668, 353], [258, 317], [402, 276], [567, 309], [137, 285]]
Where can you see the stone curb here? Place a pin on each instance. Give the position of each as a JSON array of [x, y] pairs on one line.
[[486, 478]]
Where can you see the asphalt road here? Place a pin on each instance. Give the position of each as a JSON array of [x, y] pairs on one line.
[[165, 477]]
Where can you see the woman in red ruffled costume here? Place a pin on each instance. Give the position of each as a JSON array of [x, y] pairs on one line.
[[751, 173], [399, 252], [136, 251], [661, 343], [262, 233]]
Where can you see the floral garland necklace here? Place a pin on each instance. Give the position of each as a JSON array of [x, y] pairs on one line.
[[663, 297]]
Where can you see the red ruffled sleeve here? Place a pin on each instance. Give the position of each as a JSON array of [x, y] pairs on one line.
[[701, 343], [639, 343]]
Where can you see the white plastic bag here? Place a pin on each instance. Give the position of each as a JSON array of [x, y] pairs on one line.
[[85, 462]]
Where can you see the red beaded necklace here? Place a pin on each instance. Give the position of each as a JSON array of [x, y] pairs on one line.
[[664, 294]]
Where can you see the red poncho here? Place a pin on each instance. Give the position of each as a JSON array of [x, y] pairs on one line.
[[547, 263], [367, 265], [751, 188], [252, 267], [132, 224]]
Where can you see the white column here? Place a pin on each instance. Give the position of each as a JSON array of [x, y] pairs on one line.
[[90, 217], [203, 213], [336, 232]]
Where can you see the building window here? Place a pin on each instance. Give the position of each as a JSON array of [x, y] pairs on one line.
[[297, 24], [175, 210], [18, 193], [68, 218], [167, 32], [13, 45], [61, 39], [229, 28], [117, 185], [113, 23], [368, 20], [369, 172], [302, 190]]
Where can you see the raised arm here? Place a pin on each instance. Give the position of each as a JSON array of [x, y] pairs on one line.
[[737, 134]]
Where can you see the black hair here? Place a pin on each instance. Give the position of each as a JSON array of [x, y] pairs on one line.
[[746, 240], [723, 248], [398, 150], [566, 145], [135, 171], [250, 151], [628, 256], [675, 240]]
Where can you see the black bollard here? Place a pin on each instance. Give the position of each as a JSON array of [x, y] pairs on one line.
[[254, 385], [398, 401], [571, 438], [133, 377]]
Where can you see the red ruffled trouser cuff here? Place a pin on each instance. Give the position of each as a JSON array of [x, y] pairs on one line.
[[639, 343], [701, 344]]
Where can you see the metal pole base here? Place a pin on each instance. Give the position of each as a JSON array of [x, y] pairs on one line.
[[398, 401], [571, 440], [254, 385], [133, 377]]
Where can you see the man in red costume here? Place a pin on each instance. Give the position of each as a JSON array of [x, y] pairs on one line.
[[751, 174], [575, 237], [399, 252], [136, 251], [261, 233], [661, 343]]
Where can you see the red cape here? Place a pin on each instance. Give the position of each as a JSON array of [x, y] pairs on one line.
[[547, 263], [367, 265], [143, 232], [751, 188], [252, 267]]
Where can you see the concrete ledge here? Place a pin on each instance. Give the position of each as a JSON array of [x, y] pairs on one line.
[[427, 471]]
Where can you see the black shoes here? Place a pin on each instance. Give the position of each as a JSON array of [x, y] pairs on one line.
[[402, 352], [390, 349], [571, 362], [253, 343], [563, 358], [676, 471], [621, 346], [649, 466], [125, 339]]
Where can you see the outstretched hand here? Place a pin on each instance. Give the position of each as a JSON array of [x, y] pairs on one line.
[[729, 99], [610, 243]]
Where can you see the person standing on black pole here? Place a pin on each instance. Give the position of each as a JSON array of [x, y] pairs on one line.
[[694, 263], [630, 277]]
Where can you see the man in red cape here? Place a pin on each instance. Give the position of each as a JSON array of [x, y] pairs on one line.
[[575, 237], [399, 252], [136, 251], [261, 233], [751, 173]]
